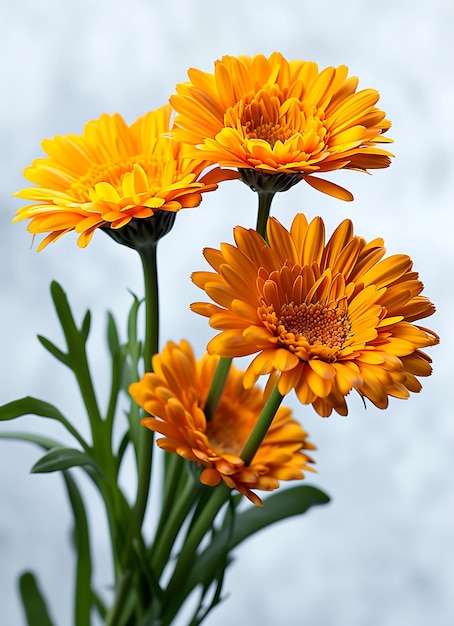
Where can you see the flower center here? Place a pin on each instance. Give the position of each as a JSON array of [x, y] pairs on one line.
[[318, 324], [272, 117], [113, 173], [268, 131], [224, 434]]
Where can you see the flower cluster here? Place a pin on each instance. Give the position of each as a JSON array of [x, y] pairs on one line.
[[320, 316]]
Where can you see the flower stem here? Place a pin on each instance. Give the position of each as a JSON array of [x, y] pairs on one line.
[[217, 387], [166, 538], [204, 522], [261, 428], [265, 199], [151, 346], [149, 264]]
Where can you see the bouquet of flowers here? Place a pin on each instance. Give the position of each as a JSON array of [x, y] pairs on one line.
[[320, 315]]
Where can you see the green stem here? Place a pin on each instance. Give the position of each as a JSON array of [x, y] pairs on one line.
[[166, 538], [120, 602], [265, 199], [101, 432], [175, 478], [261, 428], [146, 436], [150, 273], [175, 592], [217, 387]]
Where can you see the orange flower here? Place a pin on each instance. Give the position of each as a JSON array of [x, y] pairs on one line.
[[277, 116], [111, 176], [175, 394], [331, 317]]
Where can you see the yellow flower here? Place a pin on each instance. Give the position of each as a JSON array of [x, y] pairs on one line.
[[277, 116], [331, 317], [175, 394], [111, 176]]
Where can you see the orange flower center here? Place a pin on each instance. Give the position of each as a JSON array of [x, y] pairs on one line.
[[268, 131], [273, 117], [225, 435], [318, 324], [114, 172]]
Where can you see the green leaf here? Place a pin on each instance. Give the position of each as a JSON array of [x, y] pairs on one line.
[[43, 442], [31, 597], [34, 604], [29, 406], [62, 458], [85, 328], [33, 406], [278, 506], [52, 348], [118, 358], [134, 346], [63, 310], [83, 592], [112, 336]]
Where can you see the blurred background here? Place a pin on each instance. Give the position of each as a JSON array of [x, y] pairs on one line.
[[382, 552]]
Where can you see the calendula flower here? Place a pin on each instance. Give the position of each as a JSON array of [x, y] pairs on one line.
[[114, 176], [330, 317], [274, 116], [174, 394]]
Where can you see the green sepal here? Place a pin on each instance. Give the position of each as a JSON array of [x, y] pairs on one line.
[[35, 608]]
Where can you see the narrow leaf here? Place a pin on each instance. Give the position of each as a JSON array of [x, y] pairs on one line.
[[43, 442], [112, 336], [52, 348], [83, 592], [33, 406], [118, 358], [62, 458], [29, 406], [63, 310], [86, 323], [279, 506], [36, 612]]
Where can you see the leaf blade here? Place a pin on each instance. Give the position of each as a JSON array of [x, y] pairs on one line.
[[63, 458], [33, 601]]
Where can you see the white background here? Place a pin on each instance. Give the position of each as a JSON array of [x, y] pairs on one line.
[[382, 553]]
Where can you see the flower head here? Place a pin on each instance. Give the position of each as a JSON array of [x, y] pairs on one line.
[[276, 116], [330, 317], [112, 176], [175, 395]]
